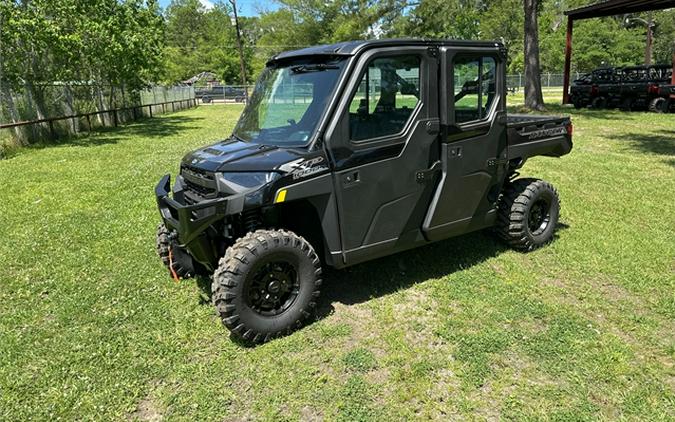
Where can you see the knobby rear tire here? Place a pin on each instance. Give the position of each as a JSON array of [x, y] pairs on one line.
[[658, 105], [515, 211]]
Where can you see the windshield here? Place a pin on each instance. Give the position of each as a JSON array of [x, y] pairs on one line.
[[288, 102]]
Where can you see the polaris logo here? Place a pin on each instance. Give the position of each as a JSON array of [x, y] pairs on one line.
[[299, 168], [308, 168]]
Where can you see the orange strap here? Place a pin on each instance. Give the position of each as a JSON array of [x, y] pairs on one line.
[[173, 272]]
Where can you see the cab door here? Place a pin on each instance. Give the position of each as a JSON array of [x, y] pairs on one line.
[[384, 133], [473, 142]]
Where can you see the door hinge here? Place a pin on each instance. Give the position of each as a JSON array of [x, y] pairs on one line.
[[422, 176], [433, 51], [433, 127]]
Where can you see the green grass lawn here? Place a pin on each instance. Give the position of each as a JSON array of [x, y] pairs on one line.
[[92, 327]]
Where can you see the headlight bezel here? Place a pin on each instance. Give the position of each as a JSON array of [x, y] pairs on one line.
[[241, 181]]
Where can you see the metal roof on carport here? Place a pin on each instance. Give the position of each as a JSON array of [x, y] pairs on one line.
[[618, 7]]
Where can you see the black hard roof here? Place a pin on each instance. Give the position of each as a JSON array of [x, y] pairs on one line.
[[618, 7], [352, 47]]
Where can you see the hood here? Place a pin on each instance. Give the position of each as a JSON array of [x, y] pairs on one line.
[[233, 155]]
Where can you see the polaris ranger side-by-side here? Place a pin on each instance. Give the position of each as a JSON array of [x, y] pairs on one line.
[[634, 87], [591, 88], [395, 144]]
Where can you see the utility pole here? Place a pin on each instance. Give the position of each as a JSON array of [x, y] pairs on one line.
[[650, 24], [672, 80], [240, 47], [650, 41]]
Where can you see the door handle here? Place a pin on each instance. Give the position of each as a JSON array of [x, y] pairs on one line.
[[351, 178], [423, 176]]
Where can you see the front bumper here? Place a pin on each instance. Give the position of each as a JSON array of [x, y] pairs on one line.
[[190, 221]]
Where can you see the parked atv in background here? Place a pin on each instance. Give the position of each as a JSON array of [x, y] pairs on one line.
[[627, 88], [638, 87], [401, 143], [592, 88]]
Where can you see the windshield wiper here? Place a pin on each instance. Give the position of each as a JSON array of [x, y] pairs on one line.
[[304, 68]]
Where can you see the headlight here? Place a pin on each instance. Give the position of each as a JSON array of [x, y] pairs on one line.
[[237, 182]]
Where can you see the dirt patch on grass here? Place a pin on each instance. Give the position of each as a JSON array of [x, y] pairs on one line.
[[310, 414], [513, 374], [147, 411], [361, 320], [418, 313]]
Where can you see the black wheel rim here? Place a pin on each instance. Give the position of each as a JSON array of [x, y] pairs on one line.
[[539, 216], [272, 287]]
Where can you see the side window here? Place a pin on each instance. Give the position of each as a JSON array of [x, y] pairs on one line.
[[474, 87], [386, 97]]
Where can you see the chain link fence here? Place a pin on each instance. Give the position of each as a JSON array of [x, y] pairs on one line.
[[549, 81]]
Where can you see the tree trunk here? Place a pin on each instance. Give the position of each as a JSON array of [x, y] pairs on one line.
[[534, 98], [69, 109], [7, 102], [672, 80], [36, 108], [100, 106]]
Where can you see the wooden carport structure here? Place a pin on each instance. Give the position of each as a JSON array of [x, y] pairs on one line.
[[598, 10]]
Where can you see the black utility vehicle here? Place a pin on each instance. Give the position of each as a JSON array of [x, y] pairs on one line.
[[591, 89], [221, 93], [638, 87], [401, 143]]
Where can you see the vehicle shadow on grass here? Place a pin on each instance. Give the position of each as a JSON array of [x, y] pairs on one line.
[[390, 274], [400, 271], [661, 142]]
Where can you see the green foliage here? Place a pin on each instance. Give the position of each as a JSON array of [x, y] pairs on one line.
[[200, 40], [605, 40], [109, 41]]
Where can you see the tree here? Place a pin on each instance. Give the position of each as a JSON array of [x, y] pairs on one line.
[[200, 39], [430, 19], [48, 43], [534, 98]]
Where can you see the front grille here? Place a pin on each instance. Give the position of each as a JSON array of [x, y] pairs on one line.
[[199, 190], [199, 184]]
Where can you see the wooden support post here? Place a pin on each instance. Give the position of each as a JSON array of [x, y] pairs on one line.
[[568, 61], [150, 107], [672, 78], [89, 122], [51, 129]]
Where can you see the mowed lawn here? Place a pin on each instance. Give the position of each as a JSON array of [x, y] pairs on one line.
[[92, 327]]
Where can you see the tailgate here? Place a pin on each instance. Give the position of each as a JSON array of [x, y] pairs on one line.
[[530, 135]]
